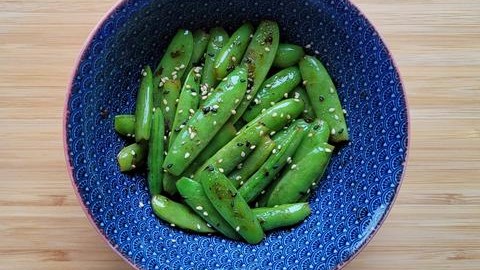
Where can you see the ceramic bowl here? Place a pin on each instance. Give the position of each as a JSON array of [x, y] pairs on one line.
[[353, 198]]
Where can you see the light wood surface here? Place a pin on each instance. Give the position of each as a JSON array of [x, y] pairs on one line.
[[435, 223]]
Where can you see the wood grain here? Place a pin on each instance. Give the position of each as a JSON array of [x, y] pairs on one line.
[[435, 223]]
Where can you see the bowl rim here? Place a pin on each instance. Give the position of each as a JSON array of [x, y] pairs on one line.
[[68, 94]]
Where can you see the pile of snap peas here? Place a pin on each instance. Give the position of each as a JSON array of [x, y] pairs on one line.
[[234, 131]]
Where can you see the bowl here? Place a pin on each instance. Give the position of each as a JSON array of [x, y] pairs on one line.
[[352, 200]]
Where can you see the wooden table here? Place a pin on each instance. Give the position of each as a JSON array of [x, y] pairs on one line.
[[435, 223]]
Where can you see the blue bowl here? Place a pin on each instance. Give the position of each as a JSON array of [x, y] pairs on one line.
[[353, 198]]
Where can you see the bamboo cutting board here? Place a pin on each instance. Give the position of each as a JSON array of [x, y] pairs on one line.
[[435, 223]]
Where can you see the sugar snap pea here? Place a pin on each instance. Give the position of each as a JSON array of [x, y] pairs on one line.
[[173, 63], [177, 214], [170, 94], [317, 135], [200, 42], [124, 124], [223, 136], [206, 122], [131, 156], [231, 53], [279, 115], [288, 55], [253, 161], [323, 96], [287, 142], [284, 215], [187, 103], [218, 38], [155, 153], [308, 114], [298, 179], [233, 208], [259, 58], [195, 197], [273, 90], [144, 106], [234, 152]]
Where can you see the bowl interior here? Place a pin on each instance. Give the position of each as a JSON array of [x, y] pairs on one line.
[[360, 183]]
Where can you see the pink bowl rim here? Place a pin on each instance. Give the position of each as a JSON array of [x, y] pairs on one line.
[[79, 58]]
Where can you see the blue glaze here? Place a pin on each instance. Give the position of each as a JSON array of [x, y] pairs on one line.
[[352, 199]]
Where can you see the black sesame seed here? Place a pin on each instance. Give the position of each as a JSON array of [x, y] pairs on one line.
[[275, 166], [316, 127], [169, 165], [321, 98], [247, 144], [206, 109], [210, 168], [341, 131], [239, 144]]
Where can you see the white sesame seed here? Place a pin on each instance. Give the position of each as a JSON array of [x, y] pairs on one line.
[[257, 101], [261, 132], [297, 95], [253, 147], [204, 97], [205, 213], [344, 111], [234, 112], [129, 135], [237, 100], [187, 155], [133, 166], [308, 46], [272, 103], [132, 152], [310, 134], [241, 183], [238, 177], [262, 192], [199, 208], [191, 111], [237, 228], [289, 116], [282, 115], [198, 75], [332, 90], [317, 52], [188, 86], [333, 131], [194, 94], [171, 224], [174, 73], [144, 73], [293, 166], [182, 66], [305, 82], [165, 102], [240, 165], [140, 204], [221, 170], [285, 95], [272, 133], [249, 97], [198, 226], [267, 49], [268, 85], [336, 117], [296, 100], [167, 109], [274, 114], [242, 154], [192, 135], [220, 160], [328, 150], [331, 109], [274, 151], [289, 160], [263, 110], [234, 59], [214, 123]]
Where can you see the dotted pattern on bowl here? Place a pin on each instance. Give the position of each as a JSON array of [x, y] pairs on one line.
[[351, 200]]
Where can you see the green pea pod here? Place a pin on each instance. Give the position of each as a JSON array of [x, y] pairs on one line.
[[169, 184], [170, 95], [287, 142], [195, 197], [231, 53], [308, 113], [273, 90], [253, 162], [124, 124], [144, 106], [279, 115], [178, 215], [234, 152], [187, 103], [155, 153], [317, 134], [200, 42], [173, 63], [259, 58], [206, 122], [323, 96], [223, 136], [288, 55], [297, 180], [285, 215], [233, 208], [130, 157], [218, 39]]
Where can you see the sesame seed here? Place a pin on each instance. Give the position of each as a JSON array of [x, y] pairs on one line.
[[289, 116], [165, 102], [220, 160], [332, 90], [257, 101], [237, 100], [194, 94], [188, 86], [308, 46], [140, 204], [180, 111], [129, 135], [272, 133], [204, 97], [333, 131], [310, 134], [293, 166], [282, 115], [192, 135], [221, 170], [274, 151], [198, 226], [268, 85], [132, 152], [208, 225], [205, 213], [274, 114], [253, 147], [171, 224], [267, 49], [305, 82], [191, 111], [240, 165], [177, 68], [234, 59], [200, 208], [336, 117], [331, 109], [174, 73], [241, 183], [238, 178], [237, 228], [262, 132], [214, 123], [242, 154], [289, 160], [187, 155], [317, 52], [133, 166], [328, 150], [263, 110], [297, 95], [344, 111], [234, 112], [182, 66], [198, 75], [296, 100], [285, 95], [249, 97], [144, 73]]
